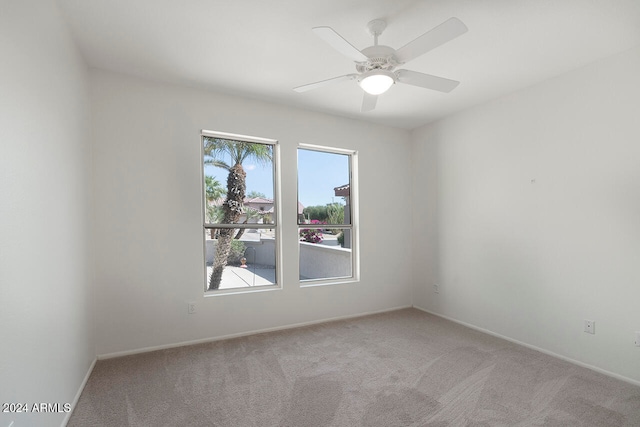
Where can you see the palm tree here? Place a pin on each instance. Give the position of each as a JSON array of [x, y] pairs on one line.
[[213, 192], [217, 152], [213, 189]]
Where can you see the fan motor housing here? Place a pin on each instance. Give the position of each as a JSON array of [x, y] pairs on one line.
[[380, 58]]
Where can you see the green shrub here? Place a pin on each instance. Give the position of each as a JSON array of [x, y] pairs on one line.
[[236, 252]]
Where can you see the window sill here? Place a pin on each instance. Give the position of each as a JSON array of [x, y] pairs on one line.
[[328, 282], [236, 291]]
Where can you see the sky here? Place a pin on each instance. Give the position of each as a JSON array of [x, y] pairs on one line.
[[318, 174]]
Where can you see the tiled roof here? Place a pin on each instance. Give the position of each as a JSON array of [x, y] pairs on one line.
[[258, 200], [343, 190]]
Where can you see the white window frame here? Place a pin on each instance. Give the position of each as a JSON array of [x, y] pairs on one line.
[[355, 215], [276, 216]]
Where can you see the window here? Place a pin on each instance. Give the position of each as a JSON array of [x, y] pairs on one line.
[[327, 207], [240, 211]]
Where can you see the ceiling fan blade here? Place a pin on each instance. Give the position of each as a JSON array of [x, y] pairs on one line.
[[339, 43], [448, 30], [368, 102], [426, 81], [315, 85]]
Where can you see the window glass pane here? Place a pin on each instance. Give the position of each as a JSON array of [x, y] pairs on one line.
[[239, 191], [323, 187], [323, 261], [324, 215], [251, 260], [238, 182]]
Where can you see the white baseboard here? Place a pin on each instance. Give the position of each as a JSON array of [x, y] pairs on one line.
[[533, 347], [243, 334], [67, 417]]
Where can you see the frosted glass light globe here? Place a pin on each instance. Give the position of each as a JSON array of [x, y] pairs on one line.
[[377, 82]]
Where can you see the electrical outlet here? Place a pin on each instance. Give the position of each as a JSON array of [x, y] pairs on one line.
[[590, 326], [191, 308], [638, 338], [436, 288]]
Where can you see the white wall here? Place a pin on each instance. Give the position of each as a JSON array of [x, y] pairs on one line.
[[148, 225], [45, 291], [531, 260]]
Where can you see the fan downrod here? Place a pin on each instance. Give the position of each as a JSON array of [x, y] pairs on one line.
[[375, 28]]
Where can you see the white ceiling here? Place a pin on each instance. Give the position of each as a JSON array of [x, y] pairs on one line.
[[263, 48]]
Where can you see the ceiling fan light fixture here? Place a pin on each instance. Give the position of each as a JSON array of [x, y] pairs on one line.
[[377, 82]]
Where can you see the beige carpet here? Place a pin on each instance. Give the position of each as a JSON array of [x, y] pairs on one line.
[[403, 368]]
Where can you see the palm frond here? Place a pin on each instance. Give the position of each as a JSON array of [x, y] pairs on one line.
[[218, 164], [237, 151]]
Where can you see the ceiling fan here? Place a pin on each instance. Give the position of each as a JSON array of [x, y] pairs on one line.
[[376, 64]]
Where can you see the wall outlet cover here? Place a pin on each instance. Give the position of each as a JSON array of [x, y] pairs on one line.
[[590, 326]]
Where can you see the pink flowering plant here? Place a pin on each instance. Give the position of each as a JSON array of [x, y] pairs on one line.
[[312, 235]]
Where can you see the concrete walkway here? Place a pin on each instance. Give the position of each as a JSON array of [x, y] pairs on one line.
[[254, 275]]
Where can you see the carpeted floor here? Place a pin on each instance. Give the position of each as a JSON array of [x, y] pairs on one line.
[[402, 368]]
